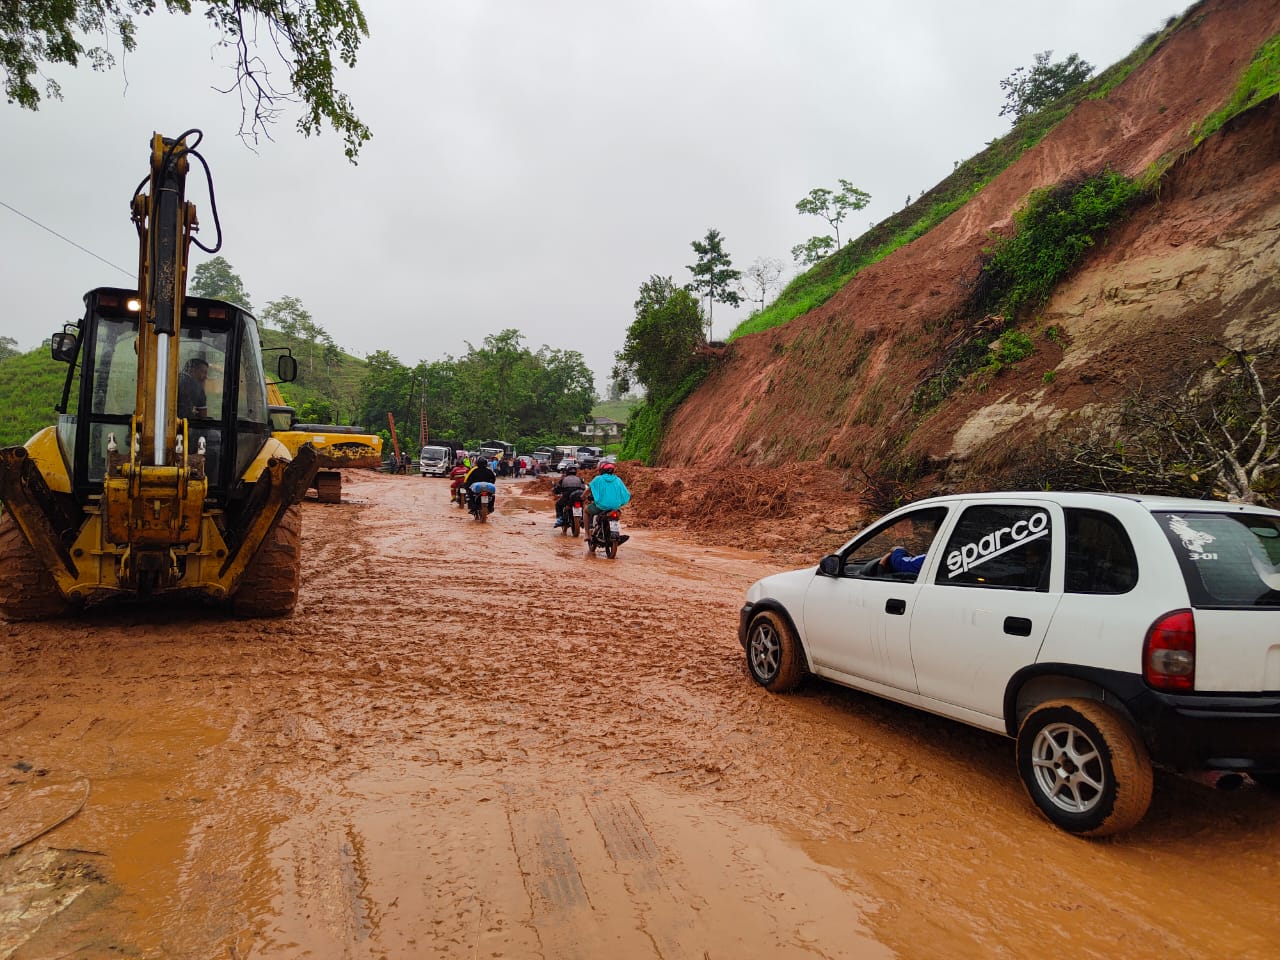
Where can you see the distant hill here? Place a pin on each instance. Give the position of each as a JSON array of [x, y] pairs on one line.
[[619, 410], [31, 385]]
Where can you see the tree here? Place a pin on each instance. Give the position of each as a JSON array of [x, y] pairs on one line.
[[763, 275], [1217, 432], [1028, 90], [287, 314], [305, 34], [713, 274], [812, 250], [215, 278], [834, 206], [8, 348], [658, 350]]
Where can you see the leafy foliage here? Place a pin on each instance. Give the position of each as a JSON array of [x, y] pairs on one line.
[[713, 274], [643, 436], [306, 34], [813, 250], [216, 279], [833, 205], [658, 350], [498, 390], [1029, 90], [1052, 230]]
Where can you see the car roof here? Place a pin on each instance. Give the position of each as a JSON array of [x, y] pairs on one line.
[[1097, 498]]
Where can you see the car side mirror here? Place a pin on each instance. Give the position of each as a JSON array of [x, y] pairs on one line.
[[286, 368], [63, 347], [829, 566]]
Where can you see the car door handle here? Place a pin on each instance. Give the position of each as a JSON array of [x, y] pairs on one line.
[[1017, 626], [896, 607]]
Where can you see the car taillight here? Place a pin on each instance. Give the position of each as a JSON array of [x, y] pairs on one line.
[[1169, 652]]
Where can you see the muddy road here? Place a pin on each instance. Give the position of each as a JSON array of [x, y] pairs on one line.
[[474, 741]]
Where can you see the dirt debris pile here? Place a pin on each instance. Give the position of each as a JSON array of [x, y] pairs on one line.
[[793, 512]]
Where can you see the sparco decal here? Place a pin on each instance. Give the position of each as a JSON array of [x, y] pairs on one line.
[[996, 542]]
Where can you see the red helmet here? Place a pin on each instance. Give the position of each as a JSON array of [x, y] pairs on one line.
[[606, 467]]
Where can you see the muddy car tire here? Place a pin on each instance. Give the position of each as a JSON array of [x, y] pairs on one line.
[[270, 584], [774, 658], [27, 591], [1083, 764]]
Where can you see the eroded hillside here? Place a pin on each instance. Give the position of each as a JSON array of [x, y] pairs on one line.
[[1194, 262]]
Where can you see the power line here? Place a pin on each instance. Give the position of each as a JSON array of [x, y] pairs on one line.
[[128, 273]]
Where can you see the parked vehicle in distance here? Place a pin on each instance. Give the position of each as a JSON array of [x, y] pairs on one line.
[[435, 461], [1105, 633], [588, 457], [565, 464]]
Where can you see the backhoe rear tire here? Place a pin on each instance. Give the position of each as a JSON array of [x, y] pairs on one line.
[[27, 591], [270, 584]]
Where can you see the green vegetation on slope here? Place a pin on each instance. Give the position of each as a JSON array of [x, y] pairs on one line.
[[30, 387], [1260, 80], [816, 286], [1052, 230]]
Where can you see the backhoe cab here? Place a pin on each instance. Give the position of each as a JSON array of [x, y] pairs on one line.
[[161, 474]]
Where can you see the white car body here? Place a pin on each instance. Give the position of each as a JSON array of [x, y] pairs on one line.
[[967, 639]]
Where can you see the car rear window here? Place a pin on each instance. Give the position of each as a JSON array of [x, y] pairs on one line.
[[1228, 560]]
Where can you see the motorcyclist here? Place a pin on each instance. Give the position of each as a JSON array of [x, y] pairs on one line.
[[456, 478], [608, 492], [480, 473], [564, 490]]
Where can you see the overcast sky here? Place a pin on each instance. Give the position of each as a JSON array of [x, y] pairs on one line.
[[532, 163]]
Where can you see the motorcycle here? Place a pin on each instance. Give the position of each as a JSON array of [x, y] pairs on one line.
[[605, 532], [571, 515], [481, 499]]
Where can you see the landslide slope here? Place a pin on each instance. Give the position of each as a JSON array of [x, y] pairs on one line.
[[1198, 260]]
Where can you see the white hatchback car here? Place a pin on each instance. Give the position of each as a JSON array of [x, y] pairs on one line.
[[1106, 633]]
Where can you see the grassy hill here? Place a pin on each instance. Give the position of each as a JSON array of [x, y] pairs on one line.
[[30, 386]]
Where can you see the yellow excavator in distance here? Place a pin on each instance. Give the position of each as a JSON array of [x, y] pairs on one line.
[[161, 475], [336, 446]]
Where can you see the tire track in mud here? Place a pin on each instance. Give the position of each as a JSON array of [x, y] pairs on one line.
[[363, 763]]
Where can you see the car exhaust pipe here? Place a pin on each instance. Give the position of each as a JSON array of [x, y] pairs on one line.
[[1220, 779]]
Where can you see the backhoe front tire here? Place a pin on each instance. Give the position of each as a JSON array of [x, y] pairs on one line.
[[27, 591], [269, 587]]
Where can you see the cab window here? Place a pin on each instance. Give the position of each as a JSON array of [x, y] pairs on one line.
[[1000, 546]]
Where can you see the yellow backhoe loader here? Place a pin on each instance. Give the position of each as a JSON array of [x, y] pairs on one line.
[[161, 475], [336, 446]]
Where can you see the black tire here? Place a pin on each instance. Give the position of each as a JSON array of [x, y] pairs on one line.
[[610, 547], [328, 486], [1084, 765], [270, 584], [574, 526], [27, 590], [774, 658]]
